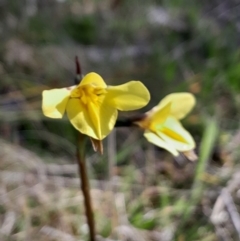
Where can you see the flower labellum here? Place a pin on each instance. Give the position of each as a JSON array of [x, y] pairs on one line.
[[163, 128], [92, 106]]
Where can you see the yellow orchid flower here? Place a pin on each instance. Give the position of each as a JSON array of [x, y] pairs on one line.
[[162, 126], [92, 106]]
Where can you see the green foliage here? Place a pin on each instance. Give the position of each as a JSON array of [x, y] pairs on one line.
[[37, 32], [207, 145], [2, 209], [82, 29], [140, 218], [14, 7], [142, 221], [106, 227]]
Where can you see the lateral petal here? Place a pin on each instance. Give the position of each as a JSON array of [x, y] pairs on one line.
[[54, 102], [174, 134], [93, 78], [158, 141], [130, 96], [182, 104]]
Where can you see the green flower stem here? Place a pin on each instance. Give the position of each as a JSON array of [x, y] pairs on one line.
[[81, 153]]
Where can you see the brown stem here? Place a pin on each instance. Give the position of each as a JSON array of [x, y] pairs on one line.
[[79, 74], [129, 121], [85, 184]]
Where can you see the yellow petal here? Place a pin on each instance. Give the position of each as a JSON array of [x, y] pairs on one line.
[[54, 102], [93, 78], [93, 109], [157, 118], [156, 140], [94, 121], [130, 96], [182, 104], [176, 136]]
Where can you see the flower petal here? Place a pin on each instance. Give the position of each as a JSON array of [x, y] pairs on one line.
[[157, 118], [54, 102], [130, 96], [94, 120], [182, 104], [176, 136], [156, 140], [79, 117], [93, 78]]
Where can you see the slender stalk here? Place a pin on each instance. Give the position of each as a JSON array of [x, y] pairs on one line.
[[81, 158], [83, 175], [129, 121]]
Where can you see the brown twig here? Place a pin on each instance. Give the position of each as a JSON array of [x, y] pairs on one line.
[[85, 184], [79, 74], [129, 121], [81, 159]]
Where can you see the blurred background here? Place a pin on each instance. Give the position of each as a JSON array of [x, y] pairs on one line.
[[140, 192]]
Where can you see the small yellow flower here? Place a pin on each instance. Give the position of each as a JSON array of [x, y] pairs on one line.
[[162, 126], [92, 106]]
